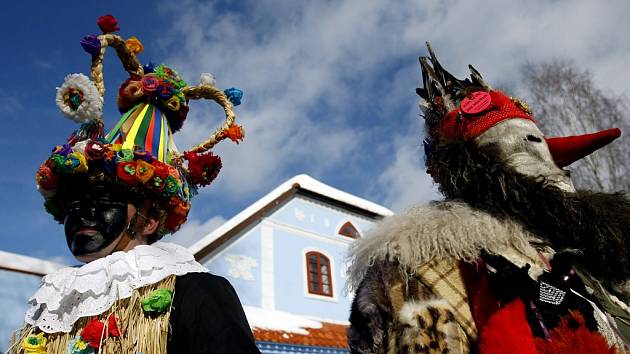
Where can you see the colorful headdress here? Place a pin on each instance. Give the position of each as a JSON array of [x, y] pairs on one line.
[[461, 110], [139, 152]]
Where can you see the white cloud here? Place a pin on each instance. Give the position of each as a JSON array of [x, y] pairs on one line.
[[314, 73], [194, 230]]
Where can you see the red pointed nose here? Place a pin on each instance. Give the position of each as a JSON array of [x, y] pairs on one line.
[[567, 150]]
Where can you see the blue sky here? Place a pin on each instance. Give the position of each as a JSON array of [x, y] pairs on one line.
[[329, 87]]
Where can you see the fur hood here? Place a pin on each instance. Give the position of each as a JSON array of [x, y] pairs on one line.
[[437, 230]]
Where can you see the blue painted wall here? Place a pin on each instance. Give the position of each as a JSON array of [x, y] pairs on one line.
[[299, 226], [245, 279]]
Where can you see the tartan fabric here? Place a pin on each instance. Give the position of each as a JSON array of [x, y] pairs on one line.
[[444, 279]]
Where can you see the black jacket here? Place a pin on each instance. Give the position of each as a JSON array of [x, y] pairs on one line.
[[207, 317]]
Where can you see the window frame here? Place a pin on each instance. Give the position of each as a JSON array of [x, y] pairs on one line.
[[348, 223], [320, 282]]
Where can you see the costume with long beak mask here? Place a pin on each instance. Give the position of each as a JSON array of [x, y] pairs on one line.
[[470, 110]]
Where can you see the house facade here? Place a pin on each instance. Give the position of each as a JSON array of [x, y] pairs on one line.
[[284, 255]]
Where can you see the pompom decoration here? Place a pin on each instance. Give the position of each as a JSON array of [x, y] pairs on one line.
[[107, 23], [207, 79], [203, 168], [91, 44], [234, 95], [79, 100], [235, 133], [134, 45]]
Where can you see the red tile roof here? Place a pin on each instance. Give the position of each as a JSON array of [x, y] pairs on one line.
[[329, 335]]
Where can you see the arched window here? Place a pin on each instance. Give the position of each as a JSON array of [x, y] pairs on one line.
[[319, 274], [348, 230]]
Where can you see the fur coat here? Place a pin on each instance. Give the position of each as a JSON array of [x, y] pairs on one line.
[[412, 293]]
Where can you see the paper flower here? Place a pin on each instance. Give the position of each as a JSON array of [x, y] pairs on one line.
[[165, 91], [112, 326], [207, 79], [150, 84], [203, 168], [133, 90], [126, 172], [144, 171], [170, 185], [134, 45], [234, 95], [34, 344], [124, 155], [148, 68], [79, 100], [45, 178], [93, 333], [79, 346], [107, 23], [91, 44], [235, 133], [157, 302], [76, 163], [172, 103], [94, 150]]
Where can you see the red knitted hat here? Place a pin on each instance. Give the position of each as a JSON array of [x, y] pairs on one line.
[[478, 112]]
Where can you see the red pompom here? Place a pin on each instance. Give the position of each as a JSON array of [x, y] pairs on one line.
[[507, 331], [107, 23], [93, 333], [112, 327], [572, 336], [203, 168]]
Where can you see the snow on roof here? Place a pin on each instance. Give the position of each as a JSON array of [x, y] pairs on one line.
[[279, 320], [26, 264], [302, 181]]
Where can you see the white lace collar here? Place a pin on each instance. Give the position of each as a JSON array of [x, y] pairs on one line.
[[71, 293]]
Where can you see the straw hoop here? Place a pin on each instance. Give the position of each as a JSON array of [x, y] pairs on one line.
[[212, 93], [128, 59]]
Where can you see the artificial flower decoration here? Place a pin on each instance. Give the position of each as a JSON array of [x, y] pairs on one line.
[[134, 45], [34, 344], [79, 346], [107, 24], [234, 95], [112, 326], [235, 133], [93, 333], [91, 44], [157, 302], [203, 168], [139, 152], [79, 100]]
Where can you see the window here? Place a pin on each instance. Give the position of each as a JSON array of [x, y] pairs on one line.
[[319, 274], [348, 230]]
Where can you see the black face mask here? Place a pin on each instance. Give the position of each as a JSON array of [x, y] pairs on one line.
[[96, 216]]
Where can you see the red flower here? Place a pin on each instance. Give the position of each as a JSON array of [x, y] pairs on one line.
[[95, 150], [203, 168], [158, 181], [45, 178], [107, 23], [126, 171], [93, 333], [177, 213], [112, 327]]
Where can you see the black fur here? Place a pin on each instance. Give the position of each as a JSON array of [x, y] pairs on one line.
[[597, 224]]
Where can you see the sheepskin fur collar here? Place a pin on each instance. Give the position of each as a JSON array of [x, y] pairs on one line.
[[438, 230]]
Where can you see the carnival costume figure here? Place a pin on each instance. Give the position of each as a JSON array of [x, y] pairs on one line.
[[118, 194], [514, 259]]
